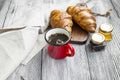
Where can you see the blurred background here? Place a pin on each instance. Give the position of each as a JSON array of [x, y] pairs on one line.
[[1, 3]]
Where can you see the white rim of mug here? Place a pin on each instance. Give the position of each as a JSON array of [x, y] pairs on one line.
[[69, 37]]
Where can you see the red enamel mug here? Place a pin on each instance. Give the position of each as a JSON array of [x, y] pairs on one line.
[[62, 50]]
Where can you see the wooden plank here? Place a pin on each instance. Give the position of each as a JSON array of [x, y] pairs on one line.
[[24, 13], [70, 68], [104, 64], [31, 71], [21, 13], [116, 7], [1, 3], [4, 6]]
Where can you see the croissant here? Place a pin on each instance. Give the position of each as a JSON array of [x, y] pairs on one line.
[[59, 19], [83, 16]]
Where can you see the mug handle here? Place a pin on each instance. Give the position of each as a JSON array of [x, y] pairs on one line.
[[70, 52]]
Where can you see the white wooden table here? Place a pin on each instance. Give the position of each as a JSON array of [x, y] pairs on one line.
[[85, 65]]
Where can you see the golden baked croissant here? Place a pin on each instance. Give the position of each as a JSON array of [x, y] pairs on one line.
[[61, 19], [83, 16]]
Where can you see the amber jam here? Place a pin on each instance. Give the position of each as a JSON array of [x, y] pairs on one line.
[[97, 42], [106, 30]]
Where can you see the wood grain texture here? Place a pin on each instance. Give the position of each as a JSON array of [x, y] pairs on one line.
[[25, 13], [4, 7], [103, 64], [116, 6], [1, 3], [85, 65], [70, 68], [31, 71], [100, 64]]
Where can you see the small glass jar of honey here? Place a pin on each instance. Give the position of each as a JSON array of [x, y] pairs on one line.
[[97, 42], [106, 30]]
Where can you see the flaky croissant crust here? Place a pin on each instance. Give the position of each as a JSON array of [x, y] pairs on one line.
[[83, 17], [61, 19]]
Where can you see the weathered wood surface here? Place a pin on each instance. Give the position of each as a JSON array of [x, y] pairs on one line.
[[31, 71], [4, 7], [85, 65]]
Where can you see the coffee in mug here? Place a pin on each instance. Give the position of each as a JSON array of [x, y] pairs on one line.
[[58, 39]]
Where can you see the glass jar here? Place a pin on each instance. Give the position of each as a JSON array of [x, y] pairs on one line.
[[106, 30], [97, 41]]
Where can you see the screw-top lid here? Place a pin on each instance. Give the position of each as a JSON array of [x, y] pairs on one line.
[[106, 27], [98, 38]]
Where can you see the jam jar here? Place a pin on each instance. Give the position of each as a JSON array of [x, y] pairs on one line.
[[97, 42], [106, 30]]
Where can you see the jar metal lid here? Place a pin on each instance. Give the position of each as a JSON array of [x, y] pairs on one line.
[[98, 38], [106, 27]]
